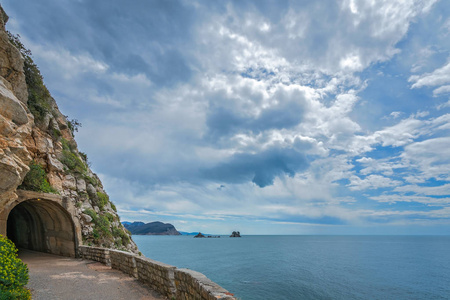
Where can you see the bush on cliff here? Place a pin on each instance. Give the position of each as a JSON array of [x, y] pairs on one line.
[[36, 180], [121, 236], [102, 225], [13, 272], [73, 162], [39, 99], [102, 200]]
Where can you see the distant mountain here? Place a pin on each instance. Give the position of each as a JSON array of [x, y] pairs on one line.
[[153, 228], [187, 233], [191, 233], [196, 232]]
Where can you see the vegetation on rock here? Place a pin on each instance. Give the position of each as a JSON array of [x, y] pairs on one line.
[[104, 229], [36, 180], [91, 180], [73, 162], [13, 273], [102, 199], [39, 98]]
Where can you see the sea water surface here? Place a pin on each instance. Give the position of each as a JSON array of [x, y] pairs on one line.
[[313, 267]]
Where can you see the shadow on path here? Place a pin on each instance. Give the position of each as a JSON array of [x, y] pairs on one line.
[[56, 277]]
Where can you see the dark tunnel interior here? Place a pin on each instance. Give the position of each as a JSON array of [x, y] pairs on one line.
[[42, 225]]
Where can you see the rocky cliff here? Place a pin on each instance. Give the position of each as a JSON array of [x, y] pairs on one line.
[[38, 151]]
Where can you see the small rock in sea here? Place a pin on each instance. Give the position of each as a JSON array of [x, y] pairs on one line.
[[235, 234]]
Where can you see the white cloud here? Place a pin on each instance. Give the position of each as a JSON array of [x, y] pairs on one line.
[[371, 182], [68, 64], [395, 114], [442, 190], [429, 158], [439, 77], [444, 105], [442, 90]]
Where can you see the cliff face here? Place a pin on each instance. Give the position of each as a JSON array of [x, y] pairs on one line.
[[16, 121], [38, 150]]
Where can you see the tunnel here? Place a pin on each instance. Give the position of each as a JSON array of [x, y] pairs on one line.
[[42, 225]]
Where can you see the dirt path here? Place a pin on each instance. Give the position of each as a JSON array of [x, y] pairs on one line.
[[55, 277]]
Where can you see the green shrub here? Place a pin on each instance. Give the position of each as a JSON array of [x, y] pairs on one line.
[[39, 98], [83, 195], [118, 232], [56, 134], [13, 272], [36, 180], [73, 162], [91, 180], [83, 156], [110, 217], [125, 238], [65, 145], [113, 207], [95, 234], [102, 199], [91, 213], [102, 224], [118, 243]]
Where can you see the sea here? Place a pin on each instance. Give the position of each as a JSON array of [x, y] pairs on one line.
[[313, 267]]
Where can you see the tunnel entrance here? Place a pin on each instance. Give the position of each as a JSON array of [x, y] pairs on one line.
[[42, 225]]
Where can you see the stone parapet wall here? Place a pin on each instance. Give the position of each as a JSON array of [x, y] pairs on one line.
[[157, 275], [194, 285], [95, 253], [124, 261], [169, 281]]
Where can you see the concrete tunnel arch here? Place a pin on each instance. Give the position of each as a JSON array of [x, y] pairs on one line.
[[42, 222]]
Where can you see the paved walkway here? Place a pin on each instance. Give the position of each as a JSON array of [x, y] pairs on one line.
[[55, 277]]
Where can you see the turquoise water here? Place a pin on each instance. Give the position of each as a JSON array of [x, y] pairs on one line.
[[313, 267]]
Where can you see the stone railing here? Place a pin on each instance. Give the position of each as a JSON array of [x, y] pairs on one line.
[[167, 280], [123, 261], [95, 253], [194, 285]]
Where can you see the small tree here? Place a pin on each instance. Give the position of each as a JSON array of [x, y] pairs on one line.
[[73, 125]]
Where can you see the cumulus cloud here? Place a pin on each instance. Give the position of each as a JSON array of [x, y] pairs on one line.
[[216, 111], [261, 168]]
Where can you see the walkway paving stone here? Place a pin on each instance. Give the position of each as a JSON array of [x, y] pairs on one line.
[[55, 277]]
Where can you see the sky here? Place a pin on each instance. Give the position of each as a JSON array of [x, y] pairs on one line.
[[267, 117]]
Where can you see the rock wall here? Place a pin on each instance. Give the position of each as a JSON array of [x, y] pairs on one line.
[[11, 62], [16, 121], [169, 281], [34, 133]]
